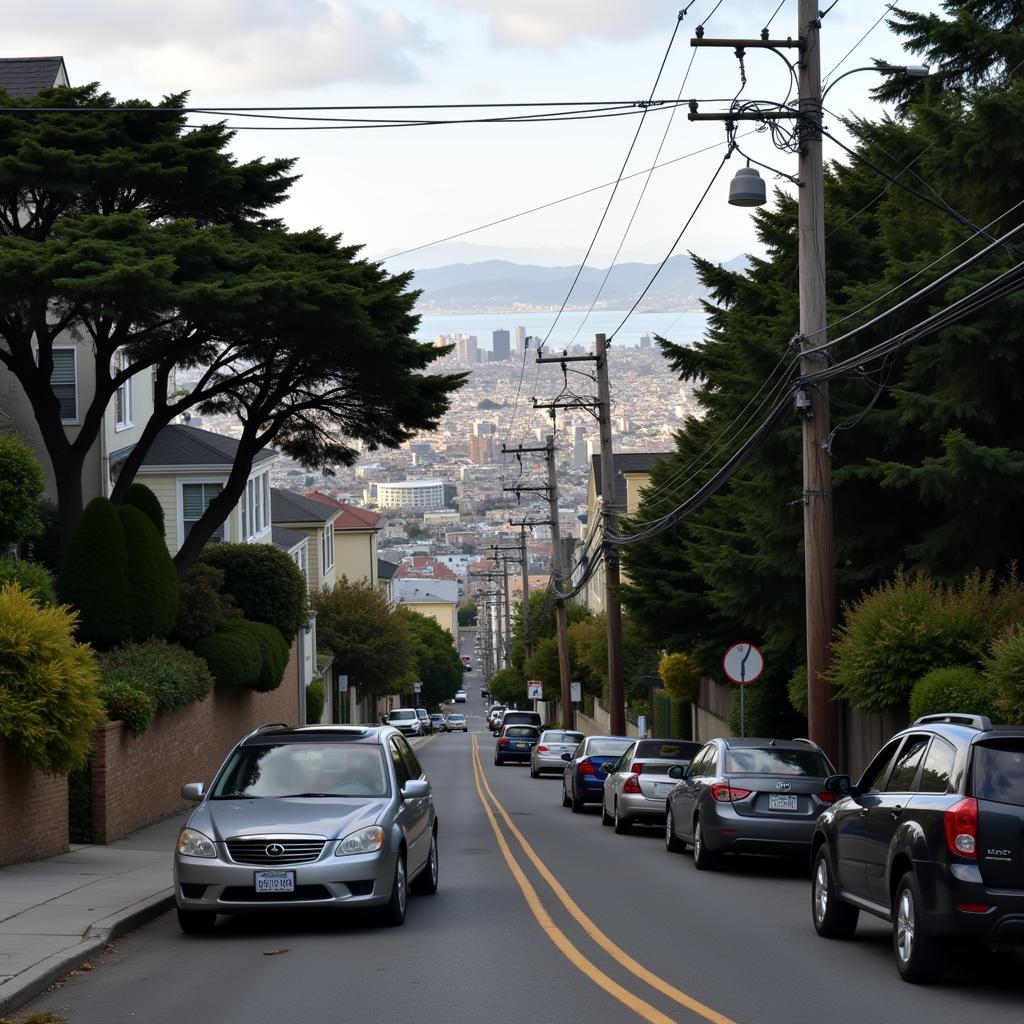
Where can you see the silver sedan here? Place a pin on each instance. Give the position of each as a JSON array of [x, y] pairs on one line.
[[336, 816], [639, 782], [547, 754]]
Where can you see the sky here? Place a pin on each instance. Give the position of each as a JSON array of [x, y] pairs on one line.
[[393, 189]]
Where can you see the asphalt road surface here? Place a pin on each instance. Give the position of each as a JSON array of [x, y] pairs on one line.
[[565, 925]]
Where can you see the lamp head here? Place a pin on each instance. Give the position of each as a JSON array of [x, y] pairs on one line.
[[747, 188]]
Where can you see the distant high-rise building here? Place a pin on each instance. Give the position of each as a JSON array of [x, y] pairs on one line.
[[645, 341], [482, 428], [482, 449], [520, 339], [578, 436], [499, 346], [466, 350]]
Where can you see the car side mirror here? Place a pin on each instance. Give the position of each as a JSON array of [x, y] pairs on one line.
[[193, 791], [415, 789], [838, 785], [677, 772], [567, 757]]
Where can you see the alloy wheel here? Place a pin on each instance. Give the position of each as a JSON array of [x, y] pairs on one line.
[[905, 926], [821, 891], [400, 885]]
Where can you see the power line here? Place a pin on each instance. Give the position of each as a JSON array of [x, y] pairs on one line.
[[846, 56]]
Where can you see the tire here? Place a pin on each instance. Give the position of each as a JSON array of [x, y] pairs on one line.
[[672, 842], [425, 883], [196, 922], [566, 802], [534, 774], [575, 803], [623, 826], [919, 957], [703, 858], [832, 918], [606, 818], [393, 912], [497, 760]]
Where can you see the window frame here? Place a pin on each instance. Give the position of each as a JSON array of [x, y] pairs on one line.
[[909, 741], [326, 547], [68, 421], [180, 484], [122, 392]]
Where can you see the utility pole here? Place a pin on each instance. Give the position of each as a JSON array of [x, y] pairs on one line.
[[525, 556], [824, 721]]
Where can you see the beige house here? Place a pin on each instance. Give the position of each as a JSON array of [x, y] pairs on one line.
[[355, 539], [315, 520], [632, 474], [438, 600]]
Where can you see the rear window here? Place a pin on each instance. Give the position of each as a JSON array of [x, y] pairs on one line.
[[521, 730], [560, 736], [772, 761], [608, 748], [402, 716], [456, 718], [527, 717], [999, 771], [666, 749]]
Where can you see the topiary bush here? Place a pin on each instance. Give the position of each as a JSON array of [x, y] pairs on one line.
[[21, 484], [265, 583], [232, 656], [273, 651], [48, 681], [31, 577], [202, 608], [172, 676], [128, 703], [1004, 669], [141, 497], [681, 676], [151, 576], [315, 697], [953, 688], [93, 577]]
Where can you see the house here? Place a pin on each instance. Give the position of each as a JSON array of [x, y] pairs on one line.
[[437, 599], [632, 474], [315, 520], [385, 574], [355, 540], [25, 76]]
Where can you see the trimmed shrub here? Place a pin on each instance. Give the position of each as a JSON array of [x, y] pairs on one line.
[[234, 659], [681, 676], [48, 699], [94, 577], [141, 497], [1005, 671], [21, 484], [954, 688], [172, 676], [31, 577], [202, 608], [128, 703], [151, 576], [265, 583], [273, 650], [315, 701]]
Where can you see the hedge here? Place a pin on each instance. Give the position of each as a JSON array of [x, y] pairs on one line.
[[172, 676], [954, 688], [273, 649], [31, 577], [142, 498], [245, 655], [266, 584], [315, 701], [1005, 671], [21, 484], [681, 676], [126, 702], [48, 681], [202, 608], [94, 577], [151, 576]]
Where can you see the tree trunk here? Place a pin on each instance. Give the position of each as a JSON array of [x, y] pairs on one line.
[[135, 458], [68, 475]]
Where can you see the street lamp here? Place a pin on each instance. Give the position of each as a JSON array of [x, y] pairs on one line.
[[747, 188]]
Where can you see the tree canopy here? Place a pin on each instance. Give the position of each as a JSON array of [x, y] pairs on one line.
[[436, 663]]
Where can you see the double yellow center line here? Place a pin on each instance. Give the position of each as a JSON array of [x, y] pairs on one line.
[[572, 953]]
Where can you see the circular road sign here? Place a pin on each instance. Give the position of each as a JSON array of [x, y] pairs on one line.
[[743, 664]]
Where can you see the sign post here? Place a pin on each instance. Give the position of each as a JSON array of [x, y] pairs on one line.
[[576, 696], [743, 664], [416, 689]]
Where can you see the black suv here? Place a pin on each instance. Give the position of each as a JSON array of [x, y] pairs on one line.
[[930, 839]]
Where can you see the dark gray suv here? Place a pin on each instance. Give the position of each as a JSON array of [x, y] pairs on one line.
[[930, 839], [323, 816]]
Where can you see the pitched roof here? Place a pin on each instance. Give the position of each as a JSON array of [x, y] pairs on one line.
[[179, 445], [289, 507], [352, 517], [26, 76], [285, 539], [385, 569], [422, 597], [625, 462], [424, 567]]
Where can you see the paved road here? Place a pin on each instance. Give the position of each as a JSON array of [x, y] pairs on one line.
[[497, 943]]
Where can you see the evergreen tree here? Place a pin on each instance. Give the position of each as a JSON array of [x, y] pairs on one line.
[[153, 583]]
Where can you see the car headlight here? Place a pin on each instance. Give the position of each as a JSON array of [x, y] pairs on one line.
[[194, 844], [366, 840]]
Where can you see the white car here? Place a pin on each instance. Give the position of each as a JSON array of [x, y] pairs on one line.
[[460, 696]]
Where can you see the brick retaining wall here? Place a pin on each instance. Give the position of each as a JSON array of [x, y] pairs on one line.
[[33, 810], [136, 780]]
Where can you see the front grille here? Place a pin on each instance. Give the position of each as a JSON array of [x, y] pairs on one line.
[[247, 894], [254, 851]]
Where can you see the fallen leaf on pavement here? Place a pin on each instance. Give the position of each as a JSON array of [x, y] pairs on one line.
[[274, 952]]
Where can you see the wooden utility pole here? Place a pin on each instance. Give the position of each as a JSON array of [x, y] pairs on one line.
[[525, 555], [561, 616]]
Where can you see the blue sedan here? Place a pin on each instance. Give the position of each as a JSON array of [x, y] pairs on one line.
[[516, 743], [584, 775]]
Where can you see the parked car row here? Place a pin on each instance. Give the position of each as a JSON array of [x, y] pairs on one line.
[[417, 722], [931, 838]]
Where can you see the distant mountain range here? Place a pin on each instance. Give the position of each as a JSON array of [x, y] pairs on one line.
[[500, 286]]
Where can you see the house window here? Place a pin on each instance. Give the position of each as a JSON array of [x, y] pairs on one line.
[[122, 397], [64, 382], [301, 558], [327, 549], [195, 500], [256, 506]]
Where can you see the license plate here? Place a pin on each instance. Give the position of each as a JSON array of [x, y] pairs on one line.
[[275, 881], [519, 746], [778, 802]]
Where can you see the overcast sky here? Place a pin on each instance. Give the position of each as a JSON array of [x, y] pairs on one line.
[[397, 188]]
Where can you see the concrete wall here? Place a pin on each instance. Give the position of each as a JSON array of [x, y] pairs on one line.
[[600, 723], [33, 810], [136, 780]]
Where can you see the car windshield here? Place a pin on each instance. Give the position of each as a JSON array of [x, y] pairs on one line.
[[559, 736], [302, 769], [772, 761], [402, 716], [999, 771], [607, 748]]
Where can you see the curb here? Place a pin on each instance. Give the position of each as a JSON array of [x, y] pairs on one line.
[[36, 979]]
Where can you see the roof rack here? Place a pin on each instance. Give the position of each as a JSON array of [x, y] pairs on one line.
[[980, 722], [804, 739], [265, 727]]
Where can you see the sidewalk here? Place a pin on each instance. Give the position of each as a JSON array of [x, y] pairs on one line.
[[57, 913]]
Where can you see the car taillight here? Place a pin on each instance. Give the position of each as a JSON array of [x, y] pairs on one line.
[[962, 828], [637, 769], [726, 794], [503, 742], [827, 798], [542, 749], [631, 785], [586, 768]]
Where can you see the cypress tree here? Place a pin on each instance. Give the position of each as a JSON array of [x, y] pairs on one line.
[[151, 576], [146, 501]]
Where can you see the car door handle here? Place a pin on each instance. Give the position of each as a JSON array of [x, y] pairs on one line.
[[896, 812]]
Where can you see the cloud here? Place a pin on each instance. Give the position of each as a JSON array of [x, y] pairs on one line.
[[225, 45], [545, 24]]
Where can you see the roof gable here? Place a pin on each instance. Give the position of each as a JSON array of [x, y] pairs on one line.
[[625, 463], [180, 445], [25, 77], [290, 507], [352, 517]]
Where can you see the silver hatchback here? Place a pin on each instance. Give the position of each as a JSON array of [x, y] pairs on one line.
[[547, 754], [323, 816]]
